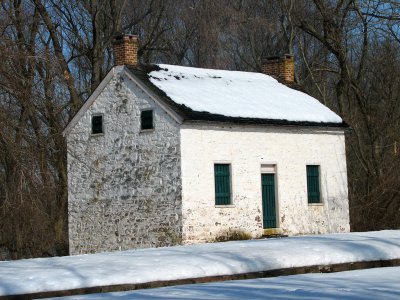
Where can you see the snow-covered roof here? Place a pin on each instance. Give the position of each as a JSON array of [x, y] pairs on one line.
[[238, 94]]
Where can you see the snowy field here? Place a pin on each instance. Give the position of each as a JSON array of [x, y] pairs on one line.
[[381, 283], [161, 264]]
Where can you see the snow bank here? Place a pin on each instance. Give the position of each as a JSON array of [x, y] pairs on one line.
[[380, 283], [147, 265], [239, 94]]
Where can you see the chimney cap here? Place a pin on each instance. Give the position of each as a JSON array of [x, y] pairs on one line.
[[277, 57], [124, 37]]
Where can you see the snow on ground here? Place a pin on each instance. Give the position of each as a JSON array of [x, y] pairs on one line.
[[239, 94], [171, 263], [381, 283]]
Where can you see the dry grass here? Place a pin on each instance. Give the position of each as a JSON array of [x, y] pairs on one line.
[[233, 235]]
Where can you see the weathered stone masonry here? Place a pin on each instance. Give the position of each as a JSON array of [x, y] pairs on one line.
[[124, 185], [132, 189]]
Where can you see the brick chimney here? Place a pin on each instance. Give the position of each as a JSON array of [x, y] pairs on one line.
[[280, 67], [125, 50]]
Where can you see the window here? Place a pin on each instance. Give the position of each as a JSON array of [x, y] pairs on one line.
[[146, 119], [97, 124], [313, 184], [222, 184]]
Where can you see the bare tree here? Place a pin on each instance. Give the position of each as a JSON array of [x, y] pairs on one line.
[[55, 53], [346, 30]]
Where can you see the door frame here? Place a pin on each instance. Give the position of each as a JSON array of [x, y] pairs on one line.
[[271, 168]]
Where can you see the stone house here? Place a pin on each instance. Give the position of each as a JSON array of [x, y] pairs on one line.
[[162, 155]]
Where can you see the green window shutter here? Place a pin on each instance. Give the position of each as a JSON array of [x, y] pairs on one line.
[[97, 124], [222, 184], [146, 119], [313, 184]]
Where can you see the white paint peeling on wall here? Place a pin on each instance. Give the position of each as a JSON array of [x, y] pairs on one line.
[[246, 148]]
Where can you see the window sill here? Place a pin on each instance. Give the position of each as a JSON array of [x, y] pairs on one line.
[[316, 204], [146, 130], [225, 206], [96, 134]]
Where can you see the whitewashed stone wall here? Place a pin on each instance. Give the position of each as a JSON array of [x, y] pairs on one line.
[[131, 189], [124, 186], [246, 148]]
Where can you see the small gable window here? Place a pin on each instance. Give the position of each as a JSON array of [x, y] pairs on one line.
[[146, 119], [97, 124]]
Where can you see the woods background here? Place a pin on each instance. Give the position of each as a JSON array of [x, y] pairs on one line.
[[54, 53]]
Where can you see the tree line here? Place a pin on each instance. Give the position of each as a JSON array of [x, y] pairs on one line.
[[54, 53]]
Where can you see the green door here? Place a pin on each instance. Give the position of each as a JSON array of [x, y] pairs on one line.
[[268, 200]]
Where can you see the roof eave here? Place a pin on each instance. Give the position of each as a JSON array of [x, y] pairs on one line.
[[89, 101], [176, 116], [260, 122], [101, 87]]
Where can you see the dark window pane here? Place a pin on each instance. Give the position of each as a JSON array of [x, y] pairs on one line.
[[222, 184], [97, 124], [313, 192], [147, 119]]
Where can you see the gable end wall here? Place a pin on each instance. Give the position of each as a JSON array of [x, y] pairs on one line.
[[124, 186]]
